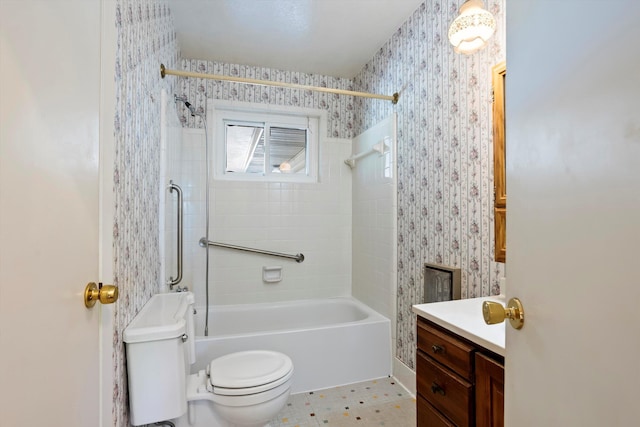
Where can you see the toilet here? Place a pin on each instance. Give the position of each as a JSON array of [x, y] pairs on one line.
[[246, 388]]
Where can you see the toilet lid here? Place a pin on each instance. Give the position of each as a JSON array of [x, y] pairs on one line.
[[249, 369]]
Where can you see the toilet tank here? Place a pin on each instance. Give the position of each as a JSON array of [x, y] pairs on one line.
[[160, 346]]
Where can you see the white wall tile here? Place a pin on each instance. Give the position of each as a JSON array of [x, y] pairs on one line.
[[314, 219], [374, 218]]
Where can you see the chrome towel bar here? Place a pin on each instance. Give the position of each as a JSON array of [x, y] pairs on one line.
[[203, 243], [172, 282]]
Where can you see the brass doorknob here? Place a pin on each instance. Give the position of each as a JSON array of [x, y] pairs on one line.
[[494, 312], [106, 294]]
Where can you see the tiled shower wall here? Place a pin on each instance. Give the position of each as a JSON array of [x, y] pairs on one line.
[[314, 219], [309, 218], [374, 209], [445, 155], [146, 38]]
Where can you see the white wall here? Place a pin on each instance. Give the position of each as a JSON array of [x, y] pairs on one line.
[[313, 219]]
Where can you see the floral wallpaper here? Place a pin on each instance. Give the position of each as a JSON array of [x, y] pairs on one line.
[[341, 112], [145, 38], [445, 154]]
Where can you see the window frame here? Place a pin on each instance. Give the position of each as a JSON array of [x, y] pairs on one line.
[[221, 112]]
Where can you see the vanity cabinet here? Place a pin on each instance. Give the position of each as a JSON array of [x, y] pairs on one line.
[[459, 383]]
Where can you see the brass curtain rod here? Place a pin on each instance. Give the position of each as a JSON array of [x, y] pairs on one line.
[[164, 71]]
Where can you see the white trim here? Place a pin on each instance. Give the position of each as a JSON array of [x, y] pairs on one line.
[[339, 140], [194, 131], [404, 375], [106, 202]]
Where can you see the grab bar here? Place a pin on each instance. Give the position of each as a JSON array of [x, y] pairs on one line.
[[172, 282], [203, 243], [380, 148]]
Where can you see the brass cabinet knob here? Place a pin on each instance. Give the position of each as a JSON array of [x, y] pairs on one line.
[[494, 312], [106, 294]]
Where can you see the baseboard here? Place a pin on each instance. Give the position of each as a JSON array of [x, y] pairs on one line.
[[404, 375]]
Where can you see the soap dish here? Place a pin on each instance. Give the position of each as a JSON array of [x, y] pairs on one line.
[[272, 274]]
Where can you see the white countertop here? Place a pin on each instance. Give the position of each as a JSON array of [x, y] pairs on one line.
[[464, 317]]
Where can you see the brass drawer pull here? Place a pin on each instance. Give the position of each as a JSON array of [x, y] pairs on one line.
[[435, 388], [437, 348]]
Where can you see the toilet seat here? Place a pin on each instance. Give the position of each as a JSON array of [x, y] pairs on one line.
[[249, 372], [225, 391]]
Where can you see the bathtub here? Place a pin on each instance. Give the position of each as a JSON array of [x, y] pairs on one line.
[[332, 342]]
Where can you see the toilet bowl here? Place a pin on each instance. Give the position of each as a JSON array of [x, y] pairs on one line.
[[246, 388]]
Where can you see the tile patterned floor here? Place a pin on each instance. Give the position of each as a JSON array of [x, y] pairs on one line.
[[381, 402]]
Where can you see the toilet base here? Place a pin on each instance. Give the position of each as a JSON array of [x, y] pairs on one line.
[[203, 415], [254, 416], [206, 416], [204, 411]]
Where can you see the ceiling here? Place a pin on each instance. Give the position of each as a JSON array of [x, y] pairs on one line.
[[330, 37]]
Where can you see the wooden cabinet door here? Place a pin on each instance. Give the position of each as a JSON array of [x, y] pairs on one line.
[[428, 416], [489, 392]]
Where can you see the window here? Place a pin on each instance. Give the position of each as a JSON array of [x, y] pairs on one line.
[[265, 146]]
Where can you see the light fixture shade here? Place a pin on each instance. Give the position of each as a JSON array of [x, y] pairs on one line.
[[473, 27]]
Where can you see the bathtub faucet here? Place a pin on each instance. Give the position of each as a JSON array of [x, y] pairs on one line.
[[182, 289]]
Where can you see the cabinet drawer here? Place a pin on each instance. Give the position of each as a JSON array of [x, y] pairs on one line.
[[446, 349], [428, 416], [446, 391]]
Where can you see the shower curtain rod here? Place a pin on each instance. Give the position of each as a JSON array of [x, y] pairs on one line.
[[164, 71]]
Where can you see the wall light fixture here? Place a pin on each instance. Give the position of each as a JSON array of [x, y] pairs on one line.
[[473, 27]]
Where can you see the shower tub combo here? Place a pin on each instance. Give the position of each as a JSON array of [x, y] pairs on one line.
[[332, 341]]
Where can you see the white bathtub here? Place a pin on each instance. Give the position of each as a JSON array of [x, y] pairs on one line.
[[332, 342]]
